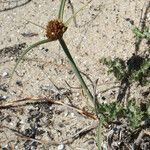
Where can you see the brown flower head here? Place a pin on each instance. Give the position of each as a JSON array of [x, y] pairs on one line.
[[55, 30]]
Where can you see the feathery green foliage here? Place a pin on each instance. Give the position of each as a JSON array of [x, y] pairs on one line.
[[132, 113], [136, 69], [145, 34], [116, 66]]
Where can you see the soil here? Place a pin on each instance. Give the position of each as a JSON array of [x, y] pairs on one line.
[[41, 99]]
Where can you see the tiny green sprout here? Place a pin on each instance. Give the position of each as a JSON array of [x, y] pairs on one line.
[[54, 31]]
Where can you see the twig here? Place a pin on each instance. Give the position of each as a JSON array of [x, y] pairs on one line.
[[32, 100], [73, 12], [82, 131], [65, 141], [139, 139], [29, 138]]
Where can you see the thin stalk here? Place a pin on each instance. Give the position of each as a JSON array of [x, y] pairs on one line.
[[99, 134], [26, 51], [61, 10], [74, 15], [75, 69]]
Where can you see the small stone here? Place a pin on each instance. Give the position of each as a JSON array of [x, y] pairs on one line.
[[61, 147], [3, 97], [11, 124], [4, 147], [41, 48], [3, 87], [4, 74], [72, 114], [51, 108], [148, 16], [19, 83], [66, 114], [46, 50], [91, 142], [103, 98]]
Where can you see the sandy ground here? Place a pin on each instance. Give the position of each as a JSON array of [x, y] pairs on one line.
[[102, 29]]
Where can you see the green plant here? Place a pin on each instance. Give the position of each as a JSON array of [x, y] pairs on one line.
[[54, 31], [132, 113], [116, 66], [143, 73], [110, 111], [136, 69], [145, 34]]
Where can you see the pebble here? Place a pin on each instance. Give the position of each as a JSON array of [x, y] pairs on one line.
[[19, 83], [72, 114], [61, 147], [4, 146], [4, 74], [66, 113], [11, 58], [3, 97], [148, 16], [11, 124]]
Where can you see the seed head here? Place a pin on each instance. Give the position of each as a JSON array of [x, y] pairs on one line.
[[55, 30]]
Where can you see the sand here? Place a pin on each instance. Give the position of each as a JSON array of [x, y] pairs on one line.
[[102, 29]]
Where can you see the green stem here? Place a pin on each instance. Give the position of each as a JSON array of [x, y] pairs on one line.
[[61, 10], [25, 52], [77, 72], [99, 134]]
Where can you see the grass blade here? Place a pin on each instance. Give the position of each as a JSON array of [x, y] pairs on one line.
[[25, 52], [99, 135], [74, 15], [61, 10], [75, 69]]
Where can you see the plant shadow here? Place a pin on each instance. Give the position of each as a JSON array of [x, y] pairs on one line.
[[12, 4], [142, 26], [134, 63]]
